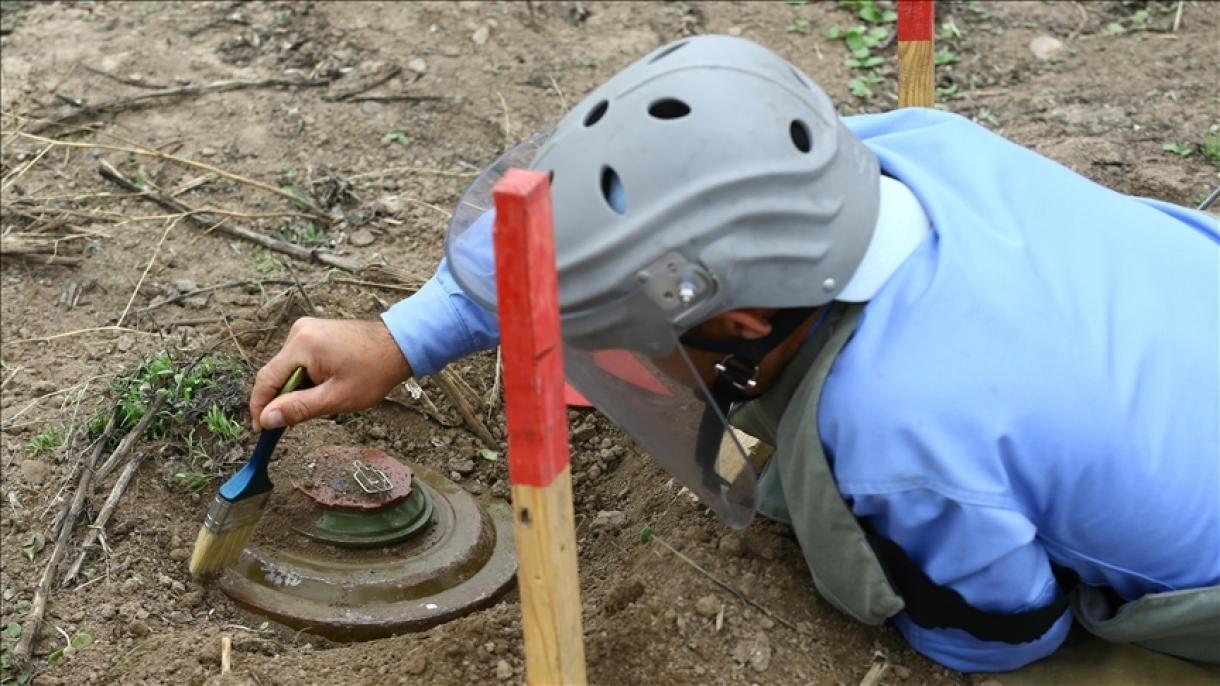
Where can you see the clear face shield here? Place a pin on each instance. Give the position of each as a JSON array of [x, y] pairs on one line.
[[661, 401]]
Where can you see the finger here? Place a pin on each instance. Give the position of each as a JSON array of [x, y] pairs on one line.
[[267, 384], [296, 407]]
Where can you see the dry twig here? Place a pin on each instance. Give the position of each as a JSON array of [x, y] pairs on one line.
[[216, 87], [103, 516], [132, 436], [458, 398]]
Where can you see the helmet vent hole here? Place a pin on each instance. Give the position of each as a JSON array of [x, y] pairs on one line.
[[800, 135], [669, 108], [612, 191], [668, 51], [595, 114]]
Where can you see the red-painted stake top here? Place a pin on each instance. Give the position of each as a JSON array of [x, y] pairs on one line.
[[527, 296], [916, 19]]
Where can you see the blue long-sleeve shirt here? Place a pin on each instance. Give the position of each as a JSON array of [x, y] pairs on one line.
[[1039, 381]]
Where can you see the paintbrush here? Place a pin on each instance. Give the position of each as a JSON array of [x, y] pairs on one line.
[[240, 502]]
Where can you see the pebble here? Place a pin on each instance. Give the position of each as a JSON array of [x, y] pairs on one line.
[[1045, 47], [707, 606], [480, 37], [193, 599], [504, 671], [138, 628], [180, 554], [185, 285], [362, 237], [731, 545], [417, 65], [609, 519], [415, 665], [902, 672], [499, 489], [34, 471], [475, 488], [462, 465]]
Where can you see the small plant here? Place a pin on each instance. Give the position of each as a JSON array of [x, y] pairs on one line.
[[45, 441], [647, 534], [988, 116], [137, 391], [860, 86], [398, 137], [861, 41], [220, 424], [945, 56], [799, 25], [9, 636], [74, 644], [1211, 144], [33, 545], [193, 478], [1180, 150], [305, 233]]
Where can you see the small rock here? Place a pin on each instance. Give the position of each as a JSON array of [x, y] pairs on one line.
[[362, 237], [731, 545], [480, 37], [45, 679], [138, 628], [504, 671], [475, 488], [755, 651], [622, 596], [34, 471], [707, 606], [609, 519], [735, 30], [583, 432], [207, 152], [376, 431], [180, 554], [499, 489], [417, 65], [902, 672], [1045, 47], [415, 665], [462, 465], [192, 599], [185, 285], [125, 342]]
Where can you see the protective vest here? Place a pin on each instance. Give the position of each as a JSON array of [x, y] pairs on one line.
[[870, 578]]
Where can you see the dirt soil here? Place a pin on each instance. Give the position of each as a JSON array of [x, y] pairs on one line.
[[384, 166]]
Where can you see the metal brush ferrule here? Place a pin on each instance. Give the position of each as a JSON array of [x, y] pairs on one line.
[[225, 515]]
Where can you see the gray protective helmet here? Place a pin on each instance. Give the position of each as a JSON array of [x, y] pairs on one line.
[[708, 176]]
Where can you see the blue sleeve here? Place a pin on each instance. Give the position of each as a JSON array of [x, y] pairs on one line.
[[439, 324], [987, 554]]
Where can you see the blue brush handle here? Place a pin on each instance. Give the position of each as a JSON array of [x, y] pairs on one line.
[[252, 479]]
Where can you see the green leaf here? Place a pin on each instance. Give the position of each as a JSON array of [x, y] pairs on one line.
[[80, 640], [1179, 150], [946, 57], [647, 534], [11, 630], [398, 137], [33, 545], [1114, 28], [859, 88], [489, 454], [870, 13], [301, 201], [834, 32]]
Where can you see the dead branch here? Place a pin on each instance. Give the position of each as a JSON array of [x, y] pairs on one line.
[[399, 97], [103, 516], [208, 289], [98, 447], [458, 398], [132, 436], [123, 79], [356, 89], [200, 89], [111, 174], [21, 652]]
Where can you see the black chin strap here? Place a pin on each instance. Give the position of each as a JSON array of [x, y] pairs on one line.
[[736, 374]]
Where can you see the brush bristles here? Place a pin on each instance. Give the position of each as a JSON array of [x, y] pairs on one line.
[[215, 551]]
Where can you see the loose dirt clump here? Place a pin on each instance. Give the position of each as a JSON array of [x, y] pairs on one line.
[[346, 132]]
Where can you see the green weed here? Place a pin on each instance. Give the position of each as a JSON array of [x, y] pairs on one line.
[[397, 137], [1211, 144], [48, 440], [1182, 151], [220, 424]]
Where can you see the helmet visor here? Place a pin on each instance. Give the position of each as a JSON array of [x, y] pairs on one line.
[[664, 405]]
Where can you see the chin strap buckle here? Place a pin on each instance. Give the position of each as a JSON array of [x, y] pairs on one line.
[[742, 375]]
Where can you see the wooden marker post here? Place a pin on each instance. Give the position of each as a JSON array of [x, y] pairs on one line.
[[916, 85], [538, 470]]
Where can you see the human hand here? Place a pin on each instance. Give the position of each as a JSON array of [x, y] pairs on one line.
[[353, 365]]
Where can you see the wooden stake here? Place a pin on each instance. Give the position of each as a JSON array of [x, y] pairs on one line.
[[226, 654], [916, 84], [544, 522]]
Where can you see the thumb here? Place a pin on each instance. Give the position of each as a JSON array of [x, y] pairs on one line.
[[295, 407]]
